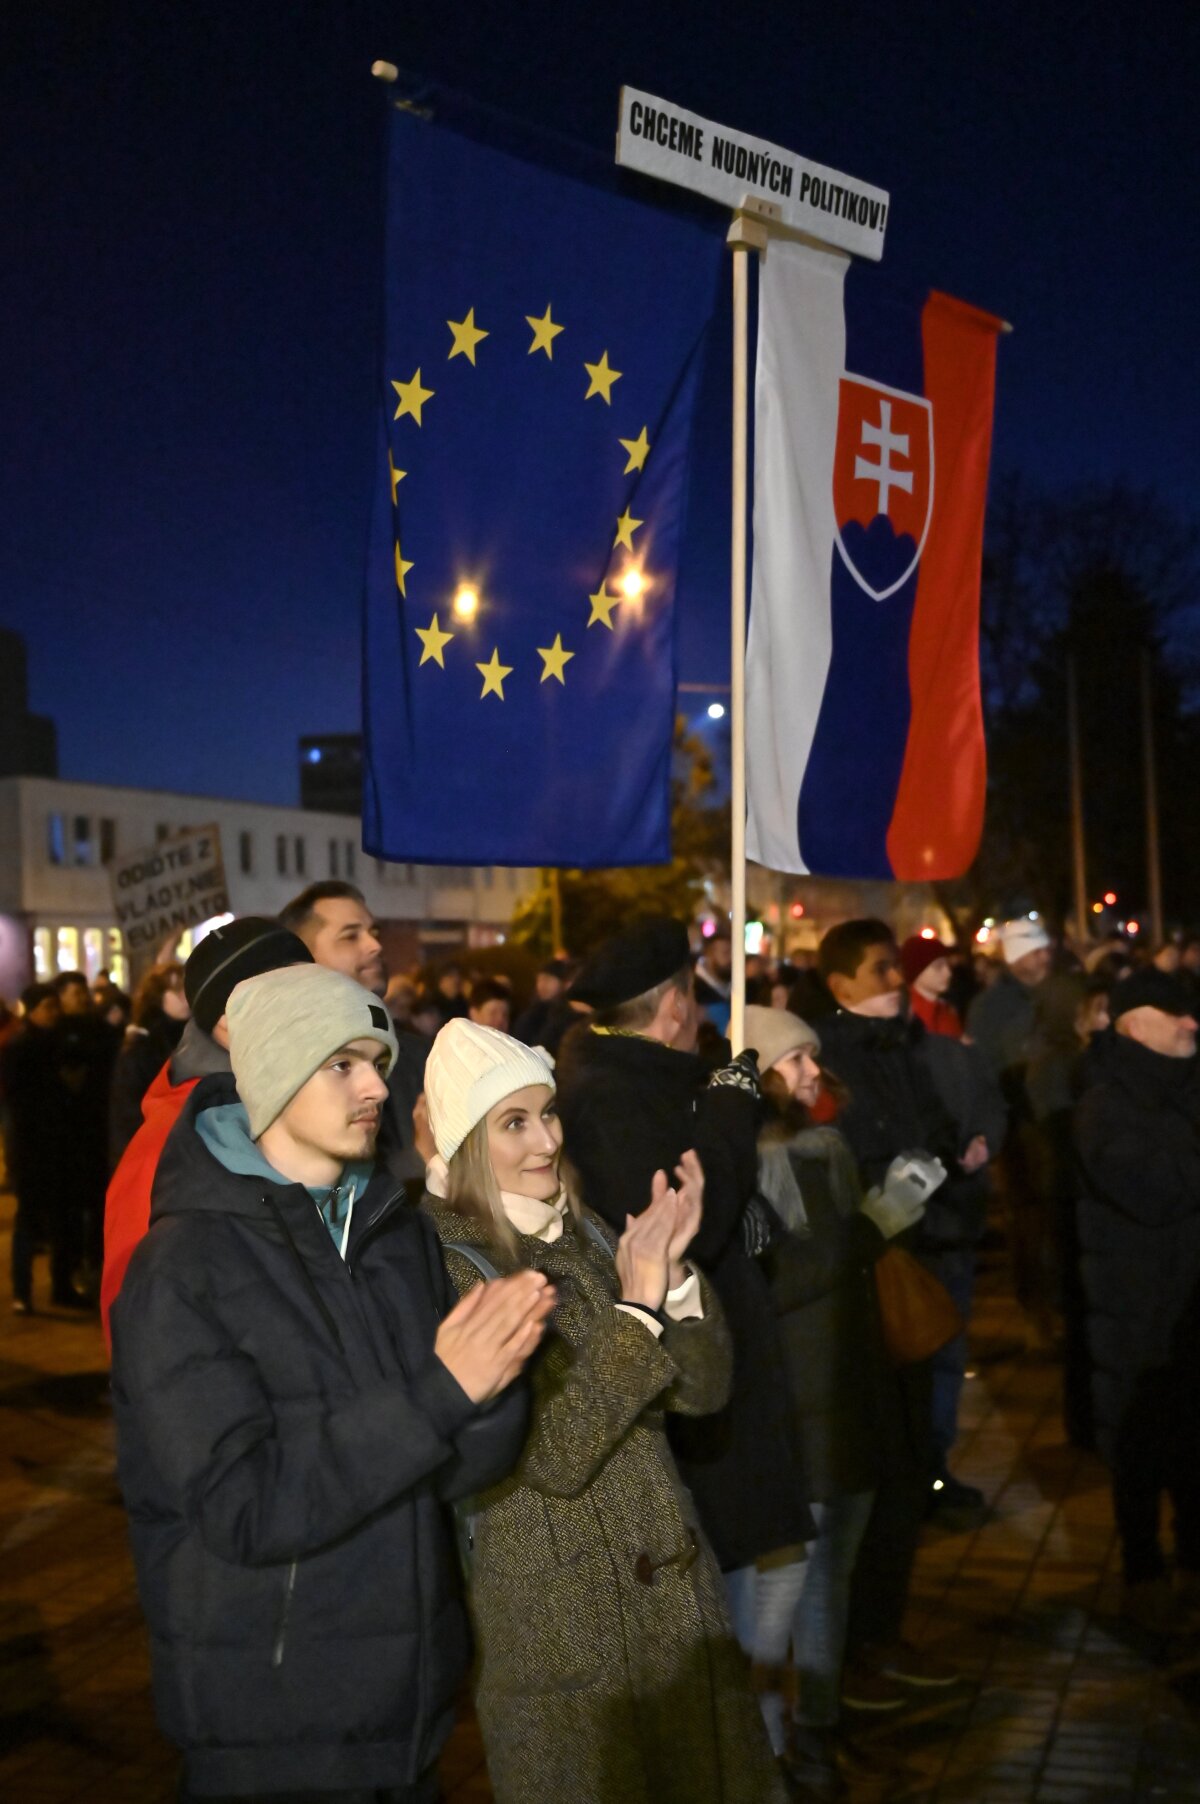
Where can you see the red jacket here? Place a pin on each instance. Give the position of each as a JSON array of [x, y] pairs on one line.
[[938, 1016], [127, 1205]]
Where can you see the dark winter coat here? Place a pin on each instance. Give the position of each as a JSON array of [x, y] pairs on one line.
[[631, 1107], [143, 1055], [396, 1150], [608, 1670], [286, 1442], [38, 1111], [1001, 1022], [893, 1107], [1137, 1132], [821, 1270]]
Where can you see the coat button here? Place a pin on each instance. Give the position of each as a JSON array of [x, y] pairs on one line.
[[644, 1569]]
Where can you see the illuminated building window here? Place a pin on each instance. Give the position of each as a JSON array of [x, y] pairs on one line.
[[93, 950], [43, 954], [118, 967], [66, 949], [56, 839]]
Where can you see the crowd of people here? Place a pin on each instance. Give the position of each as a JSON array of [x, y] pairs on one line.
[[568, 1333]]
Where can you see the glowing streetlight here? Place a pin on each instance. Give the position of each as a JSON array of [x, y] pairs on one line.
[[1097, 908], [466, 602], [1110, 898], [716, 710], [927, 933]]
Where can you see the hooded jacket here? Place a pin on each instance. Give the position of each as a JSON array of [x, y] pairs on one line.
[[287, 1440]]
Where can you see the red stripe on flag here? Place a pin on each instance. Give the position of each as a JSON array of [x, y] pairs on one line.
[[938, 818]]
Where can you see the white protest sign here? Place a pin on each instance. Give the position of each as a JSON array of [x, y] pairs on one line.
[[169, 887], [662, 140]]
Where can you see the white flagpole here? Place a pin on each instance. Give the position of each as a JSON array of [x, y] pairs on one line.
[[745, 235]]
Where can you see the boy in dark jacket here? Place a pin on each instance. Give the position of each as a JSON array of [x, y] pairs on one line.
[[296, 1401]]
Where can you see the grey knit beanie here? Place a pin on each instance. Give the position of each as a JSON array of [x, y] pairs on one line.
[[285, 1024], [774, 1032]]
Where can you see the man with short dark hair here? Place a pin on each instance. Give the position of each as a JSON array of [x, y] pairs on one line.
[[490, 1004], [547, 1008], [297, 1398], [333, 920], [892, 1107], [1137, 1132]]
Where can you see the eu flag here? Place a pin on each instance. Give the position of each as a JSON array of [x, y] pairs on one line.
[[543, 341]]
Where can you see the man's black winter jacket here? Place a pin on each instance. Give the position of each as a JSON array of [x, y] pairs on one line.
[[286, 1443]]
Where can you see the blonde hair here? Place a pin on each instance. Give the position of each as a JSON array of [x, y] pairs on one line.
[[472, 1190]]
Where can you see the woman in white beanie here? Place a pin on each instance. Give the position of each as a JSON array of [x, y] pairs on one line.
[[820, 1269], [607, 1667]]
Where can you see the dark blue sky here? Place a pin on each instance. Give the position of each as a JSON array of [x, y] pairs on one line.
[[189, 319]]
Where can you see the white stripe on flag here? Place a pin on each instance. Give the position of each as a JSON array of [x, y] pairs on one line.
[[801, 356]]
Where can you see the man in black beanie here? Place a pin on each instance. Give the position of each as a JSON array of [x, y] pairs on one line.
[[634, 1096], [1137, 1136], [224, 957]]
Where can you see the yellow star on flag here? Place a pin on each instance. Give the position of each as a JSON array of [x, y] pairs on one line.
[[403, 566], [434, 640], [638, 449], [412, 397], [554, 657], [544, 333], [602, 379], [602, 606], [493, 674], [396, 476], [626, 527], [466, 336]]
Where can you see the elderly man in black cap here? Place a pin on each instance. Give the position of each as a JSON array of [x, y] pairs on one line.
[[1137, 1129], [634, 1097]]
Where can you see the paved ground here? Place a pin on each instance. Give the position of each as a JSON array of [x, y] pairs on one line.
[[1061, 1707]]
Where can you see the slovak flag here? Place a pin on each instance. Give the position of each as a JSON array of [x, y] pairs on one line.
[[864, 725]]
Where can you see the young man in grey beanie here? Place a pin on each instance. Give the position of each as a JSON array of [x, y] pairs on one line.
[[297, 1401]]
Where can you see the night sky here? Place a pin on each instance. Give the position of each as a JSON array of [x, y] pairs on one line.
[[189, 317]]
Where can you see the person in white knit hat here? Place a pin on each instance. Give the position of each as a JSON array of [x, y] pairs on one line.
[[298, 1394], [607, 1664]]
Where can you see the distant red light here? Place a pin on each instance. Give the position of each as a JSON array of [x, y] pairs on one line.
[[797, 911], [1110, 898]]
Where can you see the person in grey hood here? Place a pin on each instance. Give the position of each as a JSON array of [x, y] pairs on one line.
[[298, 1396]]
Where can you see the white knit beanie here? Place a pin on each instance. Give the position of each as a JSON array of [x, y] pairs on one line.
[[774, 1032], [469, 1070], [286, 1023], [1022, 936]]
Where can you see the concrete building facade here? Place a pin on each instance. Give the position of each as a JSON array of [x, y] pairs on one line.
[[57, 836]]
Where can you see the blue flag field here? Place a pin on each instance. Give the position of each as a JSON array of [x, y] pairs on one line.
[[542, 348]]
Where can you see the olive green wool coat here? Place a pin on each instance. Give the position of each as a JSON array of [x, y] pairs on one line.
[[608, 1671]]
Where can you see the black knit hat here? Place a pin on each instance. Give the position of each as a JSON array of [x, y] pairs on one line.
[[1149, 988], [631, 963], [240, 949]]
